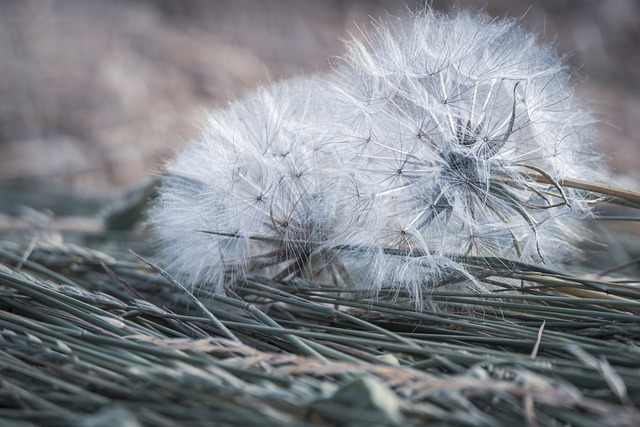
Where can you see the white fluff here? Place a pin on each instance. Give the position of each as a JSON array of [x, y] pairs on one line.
[[414, 150]]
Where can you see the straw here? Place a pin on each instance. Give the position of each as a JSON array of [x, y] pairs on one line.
[[89, 334]]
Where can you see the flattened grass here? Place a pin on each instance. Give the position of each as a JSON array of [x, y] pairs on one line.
[[90, 335]]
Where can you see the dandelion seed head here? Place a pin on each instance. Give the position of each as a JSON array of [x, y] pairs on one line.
[[418, 148], [488, 101]]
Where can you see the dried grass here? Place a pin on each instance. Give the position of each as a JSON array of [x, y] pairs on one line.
[[103, 337]]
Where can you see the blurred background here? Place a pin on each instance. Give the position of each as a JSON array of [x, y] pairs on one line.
[[96, 95]]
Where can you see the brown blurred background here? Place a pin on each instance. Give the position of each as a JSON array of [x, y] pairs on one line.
[[96, 95]]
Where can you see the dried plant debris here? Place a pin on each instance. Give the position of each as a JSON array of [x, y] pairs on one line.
[[88, 336]]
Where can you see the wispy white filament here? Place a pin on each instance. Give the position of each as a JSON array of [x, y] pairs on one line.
[[420, 146]]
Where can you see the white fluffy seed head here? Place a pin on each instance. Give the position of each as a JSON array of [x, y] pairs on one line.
[[456, 110], [240, 196], [419, 147]]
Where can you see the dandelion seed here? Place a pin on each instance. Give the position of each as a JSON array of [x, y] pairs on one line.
[[468, 80], [417, 148]]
